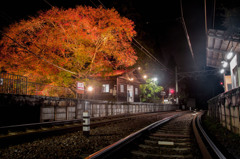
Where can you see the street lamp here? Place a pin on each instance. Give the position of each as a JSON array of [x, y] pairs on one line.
[[222, 71], [90, 89], [155, 79], [130, 79], [224, 64]]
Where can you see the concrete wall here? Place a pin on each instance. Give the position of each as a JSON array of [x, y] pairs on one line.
[[19, 109], [225, 109]]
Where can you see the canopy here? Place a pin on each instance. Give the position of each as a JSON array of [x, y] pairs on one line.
[[219, 43]]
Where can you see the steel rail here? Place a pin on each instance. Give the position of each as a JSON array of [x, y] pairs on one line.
[[201, 145], [64, 122], [105, 152], [209, 141], [6, 128]]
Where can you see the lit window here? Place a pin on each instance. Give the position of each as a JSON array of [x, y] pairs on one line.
[[136, 91], [105, 88], [121, 88]]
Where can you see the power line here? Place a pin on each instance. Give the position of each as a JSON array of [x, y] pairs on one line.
[[137, 44], [214, 10], [186, 32], [205, 15], [140, 46], [48, 3], [41, 58], [144, 50], [93, 3]]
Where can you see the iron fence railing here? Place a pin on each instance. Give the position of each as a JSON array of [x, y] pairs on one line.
[[16, 84]]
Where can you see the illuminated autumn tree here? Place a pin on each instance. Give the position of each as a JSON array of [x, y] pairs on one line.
[[83, 41]]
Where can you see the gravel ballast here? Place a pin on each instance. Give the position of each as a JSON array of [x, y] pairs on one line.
[[75, 145]]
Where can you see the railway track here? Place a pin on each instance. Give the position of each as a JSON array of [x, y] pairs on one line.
[[26, 132], [172, 137], [172, 140]]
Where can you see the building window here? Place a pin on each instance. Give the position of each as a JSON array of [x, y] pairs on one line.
[[105, 88], [122, 88], [136, 91]]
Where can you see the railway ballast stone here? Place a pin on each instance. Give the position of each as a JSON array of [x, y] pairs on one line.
[[75, 145]]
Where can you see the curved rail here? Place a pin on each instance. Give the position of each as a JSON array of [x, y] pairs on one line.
[[197, 128], [105, 152], [209, 141]]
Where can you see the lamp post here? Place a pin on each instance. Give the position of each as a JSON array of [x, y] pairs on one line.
[[176, 80]]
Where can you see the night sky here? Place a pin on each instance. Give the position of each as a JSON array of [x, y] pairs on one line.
[[158, 27]]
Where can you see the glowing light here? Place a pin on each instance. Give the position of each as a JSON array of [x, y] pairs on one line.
[[155, 79], [222, 71], [224, 64], [139, 68], [90, 88], [229, 55], [171, 91], [145, 76], [131, 79]]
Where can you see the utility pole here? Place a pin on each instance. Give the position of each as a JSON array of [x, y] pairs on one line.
[[176, 80]]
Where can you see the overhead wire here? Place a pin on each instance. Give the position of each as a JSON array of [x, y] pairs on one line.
[[205, 16], [214, 10], [186, 32], [39, 57], [141, 47]]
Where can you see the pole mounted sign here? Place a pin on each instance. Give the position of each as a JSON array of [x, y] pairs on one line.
[[163, 93], [80, 87]]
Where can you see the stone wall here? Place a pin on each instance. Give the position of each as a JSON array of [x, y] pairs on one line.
[[19, 109]]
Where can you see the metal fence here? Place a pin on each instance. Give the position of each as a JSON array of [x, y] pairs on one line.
[[13, 84], [16, 84]]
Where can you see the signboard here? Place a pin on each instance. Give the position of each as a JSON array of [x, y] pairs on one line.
[[163, 93], [1, 81], [80, 87]]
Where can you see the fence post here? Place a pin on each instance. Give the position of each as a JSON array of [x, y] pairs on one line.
[[86, 123]]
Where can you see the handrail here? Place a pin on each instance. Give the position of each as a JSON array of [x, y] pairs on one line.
[[129, 138]]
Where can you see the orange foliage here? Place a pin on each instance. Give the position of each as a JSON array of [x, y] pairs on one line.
[[84, 40]]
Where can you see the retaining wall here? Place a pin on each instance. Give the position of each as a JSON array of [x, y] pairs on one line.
[[18, 109], [225, 109]]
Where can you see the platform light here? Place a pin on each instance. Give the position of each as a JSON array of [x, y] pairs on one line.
[[155, 79], [229, 55], [90, 89], [224, 64], [222, 71]]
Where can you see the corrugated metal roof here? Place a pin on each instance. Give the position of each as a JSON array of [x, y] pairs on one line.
[[219, 43]]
